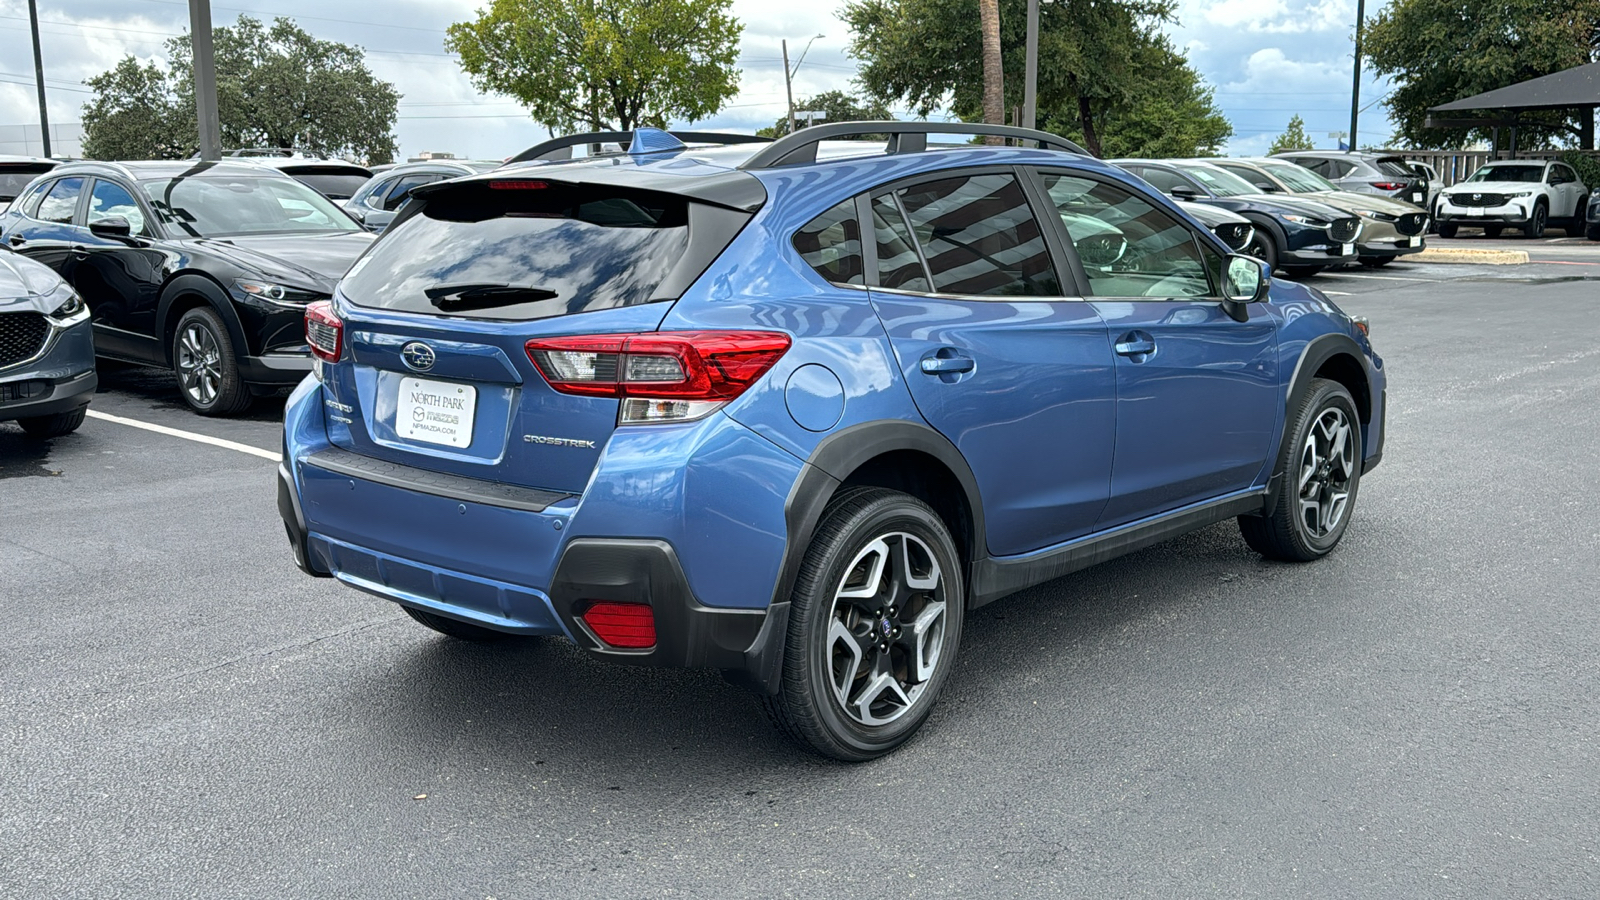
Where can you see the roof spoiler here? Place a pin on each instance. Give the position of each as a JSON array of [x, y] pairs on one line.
[[561, 147], [800, 147]]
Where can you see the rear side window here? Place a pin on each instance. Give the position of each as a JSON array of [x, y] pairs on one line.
[[29, 202], [539, 250], [62, 201], [980, 238], [831, 244]]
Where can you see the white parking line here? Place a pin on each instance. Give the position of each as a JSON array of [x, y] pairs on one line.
[[187, 435], [1378, 277], [1338, 293]]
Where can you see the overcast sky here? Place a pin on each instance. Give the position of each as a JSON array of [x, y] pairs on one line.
[[1267, 59]]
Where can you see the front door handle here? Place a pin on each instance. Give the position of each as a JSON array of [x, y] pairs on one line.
[[943, 365], [1135, 345], [18, 240]]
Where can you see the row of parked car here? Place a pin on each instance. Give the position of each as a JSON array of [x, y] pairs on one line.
[[207, 268]]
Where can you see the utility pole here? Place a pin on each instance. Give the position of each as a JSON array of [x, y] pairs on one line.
[[205, 80], [1030, 89], [38, 74], [788, 85], [1355, 81]]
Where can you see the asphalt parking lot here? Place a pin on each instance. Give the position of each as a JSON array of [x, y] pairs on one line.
[[185, 715]]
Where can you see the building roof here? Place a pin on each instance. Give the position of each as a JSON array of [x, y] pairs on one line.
[[1575, 87]]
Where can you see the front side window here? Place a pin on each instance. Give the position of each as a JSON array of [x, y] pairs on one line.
[[1128, 247], [831, 244], [223, 205], [979, 237], [62, 201], [1220, 182], [112, 200]]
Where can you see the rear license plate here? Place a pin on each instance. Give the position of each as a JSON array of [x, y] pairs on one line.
[[435, 412], [1347, 249]]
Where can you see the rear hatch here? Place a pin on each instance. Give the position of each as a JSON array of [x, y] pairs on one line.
[[436, 373], [1403, 181]]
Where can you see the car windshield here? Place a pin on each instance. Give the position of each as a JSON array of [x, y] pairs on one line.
[[335, 185], [1530, 174], [1221, 183], [1299, 179], [223, 205]]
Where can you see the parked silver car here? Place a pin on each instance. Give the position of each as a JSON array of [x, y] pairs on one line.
[[1365, 173], [375, 203]]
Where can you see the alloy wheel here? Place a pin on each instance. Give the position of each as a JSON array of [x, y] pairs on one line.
[[1327, 467], [886, 629], [199, 364]]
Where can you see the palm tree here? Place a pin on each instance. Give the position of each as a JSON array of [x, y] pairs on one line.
[[994, 95]]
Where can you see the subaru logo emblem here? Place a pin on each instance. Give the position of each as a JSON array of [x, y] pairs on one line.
[[418, 356]]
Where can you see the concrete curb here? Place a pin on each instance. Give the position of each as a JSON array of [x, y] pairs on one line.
[[1470, 255]]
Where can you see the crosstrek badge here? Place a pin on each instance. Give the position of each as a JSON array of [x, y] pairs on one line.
[[435, 412]]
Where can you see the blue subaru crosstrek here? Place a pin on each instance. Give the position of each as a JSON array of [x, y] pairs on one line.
[[791, 410]]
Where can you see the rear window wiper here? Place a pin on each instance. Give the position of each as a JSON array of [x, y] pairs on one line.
[[466, 297]]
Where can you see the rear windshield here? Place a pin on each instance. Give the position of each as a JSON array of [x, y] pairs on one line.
[[1221, 182], [334, 185], [1395, 166], [14, 178], [540, 250]]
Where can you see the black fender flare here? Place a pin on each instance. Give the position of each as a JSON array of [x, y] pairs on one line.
[[1317, 351], [214, 294], [1263, 221]]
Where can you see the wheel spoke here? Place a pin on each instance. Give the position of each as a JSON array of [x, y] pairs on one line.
[[845, 668], [926, 640], [884, 692], [864, 578]]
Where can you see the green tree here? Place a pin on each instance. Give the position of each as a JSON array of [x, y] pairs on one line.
[[839, 107], [276, 87], [604, 64], [1437, 51], [1293, 138], [1108, 76]]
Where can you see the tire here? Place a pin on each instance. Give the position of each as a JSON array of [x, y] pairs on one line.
[[1576, 227], [1594, 232], [461, 631], [1447, 229], [881, 572], [1302, 271], [1536, 222], [1493, 231], [206, 367], [53, 426], [1262, 248], [1376, 262], [1285, 532]]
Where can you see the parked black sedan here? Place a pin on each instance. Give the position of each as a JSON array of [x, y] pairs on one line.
[[1302, 236], [204, 268]]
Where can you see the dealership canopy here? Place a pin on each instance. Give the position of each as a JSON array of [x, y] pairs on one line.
[[1577, 88]]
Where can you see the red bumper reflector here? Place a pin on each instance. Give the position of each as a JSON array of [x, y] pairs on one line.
[[627, 626]]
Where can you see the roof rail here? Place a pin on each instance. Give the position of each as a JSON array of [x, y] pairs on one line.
[[800, 147], [561, 147]]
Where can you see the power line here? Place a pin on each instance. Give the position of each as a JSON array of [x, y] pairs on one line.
[[260, 12]]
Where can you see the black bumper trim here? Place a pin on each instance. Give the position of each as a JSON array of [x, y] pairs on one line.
[[274, 368], [294, 523], [1371, 462], [746, 644], [439, 484], [65, 396]]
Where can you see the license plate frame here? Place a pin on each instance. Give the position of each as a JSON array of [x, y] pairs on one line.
[[442, 413]]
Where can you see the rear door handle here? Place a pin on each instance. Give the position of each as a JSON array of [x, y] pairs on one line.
[[940, 365], [1135, 345]]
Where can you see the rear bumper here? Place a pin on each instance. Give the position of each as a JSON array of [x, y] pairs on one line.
[[499, 557]]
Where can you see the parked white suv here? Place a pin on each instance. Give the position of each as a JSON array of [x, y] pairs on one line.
[[1527, 194]]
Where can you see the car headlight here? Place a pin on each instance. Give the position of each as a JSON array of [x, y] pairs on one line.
[[1368, 213], [1522, 194], [65, 300], [1303, 220], [276, 293]]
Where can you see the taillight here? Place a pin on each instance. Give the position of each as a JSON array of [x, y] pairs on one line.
[[670, 376], [1388, 185], [517, 184], [626, 626], [324, 331]]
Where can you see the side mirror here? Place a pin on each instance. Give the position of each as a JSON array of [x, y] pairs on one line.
[[1183, 192], [1245, 280], [111, 227], [354, 212], [1268, 187]]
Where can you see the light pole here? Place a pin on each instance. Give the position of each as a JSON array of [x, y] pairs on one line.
[[38, 73], [205, 80], [1355, 81], [1030, 87]]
